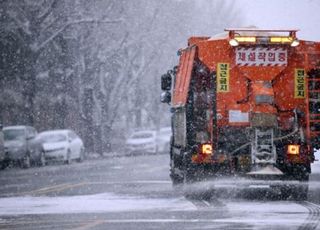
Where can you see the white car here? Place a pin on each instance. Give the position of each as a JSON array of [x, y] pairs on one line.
[[22, 146], [163, 139], [142, 142], [63, 145], [315, 167]]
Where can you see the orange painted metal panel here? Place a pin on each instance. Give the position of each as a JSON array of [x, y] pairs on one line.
[[277, 76], [213, 51], [183, 78]]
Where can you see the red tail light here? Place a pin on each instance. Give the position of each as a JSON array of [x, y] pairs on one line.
[[293, 149], [206, 149]]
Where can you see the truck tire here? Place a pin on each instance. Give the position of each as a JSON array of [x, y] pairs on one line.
[[298, 192], [175, 178], [188, 176], [294, 192]]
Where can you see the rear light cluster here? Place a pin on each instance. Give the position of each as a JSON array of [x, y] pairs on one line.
[[203, 154], [206, 149], [299, 154], [293, 149]]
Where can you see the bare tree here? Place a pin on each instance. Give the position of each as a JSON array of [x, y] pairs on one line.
[[96, 67], [33, 29]]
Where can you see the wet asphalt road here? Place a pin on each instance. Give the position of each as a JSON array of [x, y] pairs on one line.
[[136, 193]]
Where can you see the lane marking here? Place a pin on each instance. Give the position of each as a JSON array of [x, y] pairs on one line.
[[44, 189], [60, 188], [41, 190], [199, 204], [133, 182], [65, 186], [19, 222], [90, 225], [207, 203]]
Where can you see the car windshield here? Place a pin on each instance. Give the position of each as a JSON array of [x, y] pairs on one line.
[[13, 134], [52, 137], [141, 135]]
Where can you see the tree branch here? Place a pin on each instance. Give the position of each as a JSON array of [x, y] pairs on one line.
[[36, 47], [42, 16]]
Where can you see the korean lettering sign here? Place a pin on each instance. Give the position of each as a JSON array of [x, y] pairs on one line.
[[299, 83], [223, 77], [260, 56]]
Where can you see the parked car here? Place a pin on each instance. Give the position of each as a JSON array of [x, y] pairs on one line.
[[2, 150], [22, 146], [63, 145], [142, 142], [163, 139]]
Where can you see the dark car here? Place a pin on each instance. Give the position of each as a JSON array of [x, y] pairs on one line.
[[22, 147], [2, 149]]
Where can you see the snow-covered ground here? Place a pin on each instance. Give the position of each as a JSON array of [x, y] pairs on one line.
[[105, 202], [257, 213], [137, 191]]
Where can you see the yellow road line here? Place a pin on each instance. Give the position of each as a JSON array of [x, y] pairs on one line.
[[59, 188], [41, 190], [89, 225], [44, 189], [54, 188], [17, 223], [64, 186]]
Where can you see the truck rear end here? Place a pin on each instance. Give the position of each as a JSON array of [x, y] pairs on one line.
[[247, 103]]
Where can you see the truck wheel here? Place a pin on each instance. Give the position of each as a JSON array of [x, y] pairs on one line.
[[189, 170], [300, 192], [189, 175], [295, 192], [175, 178]]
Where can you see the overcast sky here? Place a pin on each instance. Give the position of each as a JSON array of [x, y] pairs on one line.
[[283, 14]]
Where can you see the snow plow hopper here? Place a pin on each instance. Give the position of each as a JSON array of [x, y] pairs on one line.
[[244, 103]]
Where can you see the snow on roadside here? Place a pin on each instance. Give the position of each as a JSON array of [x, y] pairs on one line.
[[105, 202], [256, 213]]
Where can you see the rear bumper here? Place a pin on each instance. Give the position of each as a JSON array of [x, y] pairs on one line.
[[15, 155], [289, 172], [55, 155], [131, 149]]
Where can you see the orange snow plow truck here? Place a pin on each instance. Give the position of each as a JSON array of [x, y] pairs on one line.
[[245, 103]]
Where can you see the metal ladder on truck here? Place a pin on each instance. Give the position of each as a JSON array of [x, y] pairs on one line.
[[262, 149], [313, 109]]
